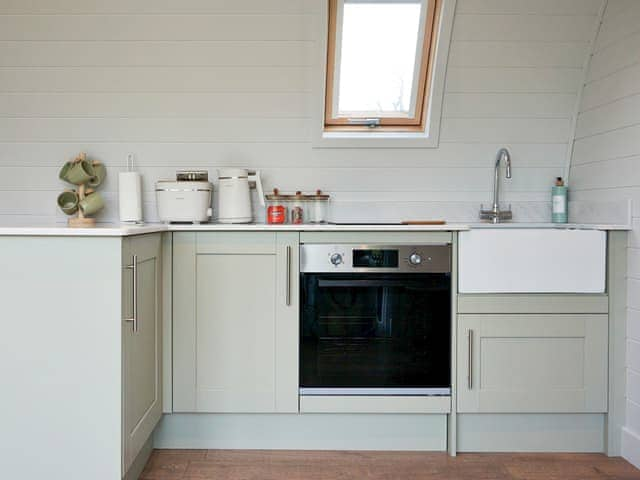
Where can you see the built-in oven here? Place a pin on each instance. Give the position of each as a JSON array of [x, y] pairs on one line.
[[375, 319]]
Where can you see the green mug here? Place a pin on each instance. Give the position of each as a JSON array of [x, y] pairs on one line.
[[99, 174], [79, 173], [68, 202], [64, 171], [91, 204]]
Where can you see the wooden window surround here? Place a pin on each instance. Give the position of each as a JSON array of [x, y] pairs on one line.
[[414, 122]]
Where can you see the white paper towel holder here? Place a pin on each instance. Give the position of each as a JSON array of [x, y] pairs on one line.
[[130, 194]]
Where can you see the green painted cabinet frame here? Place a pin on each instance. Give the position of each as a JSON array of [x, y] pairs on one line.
[[523, 363], [141, 342], [235, 319]]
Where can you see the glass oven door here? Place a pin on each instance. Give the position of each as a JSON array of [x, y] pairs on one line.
[[375, 334]]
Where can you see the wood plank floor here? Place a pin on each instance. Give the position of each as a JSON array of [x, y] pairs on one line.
[[329, 465]]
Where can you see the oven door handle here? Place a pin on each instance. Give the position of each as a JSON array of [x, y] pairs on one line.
[[288, 279], [470, 360], [361, 283]]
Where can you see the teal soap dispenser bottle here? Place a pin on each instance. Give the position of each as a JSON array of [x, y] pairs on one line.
[[559, 210]]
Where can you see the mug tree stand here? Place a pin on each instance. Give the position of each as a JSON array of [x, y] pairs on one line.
[[81, 221]]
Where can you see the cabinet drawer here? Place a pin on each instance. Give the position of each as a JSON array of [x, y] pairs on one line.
[[532, 363], [374, 404], [509, 303]]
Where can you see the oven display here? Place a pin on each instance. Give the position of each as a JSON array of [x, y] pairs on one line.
[[375, 258]]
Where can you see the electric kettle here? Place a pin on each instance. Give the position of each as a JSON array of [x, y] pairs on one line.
[[234, 196]]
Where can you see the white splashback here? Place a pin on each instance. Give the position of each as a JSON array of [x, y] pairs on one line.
[[204, 84]]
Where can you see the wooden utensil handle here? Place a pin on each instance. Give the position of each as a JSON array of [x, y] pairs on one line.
[[424, 222]]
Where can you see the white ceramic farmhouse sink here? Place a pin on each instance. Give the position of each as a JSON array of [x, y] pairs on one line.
[[532, 260]]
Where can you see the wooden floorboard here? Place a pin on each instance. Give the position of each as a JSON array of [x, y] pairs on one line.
[[356, 465]]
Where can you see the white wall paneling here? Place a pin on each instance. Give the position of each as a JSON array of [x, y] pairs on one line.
[[211, 83], [159, 7], [605, 164], [149, 27]]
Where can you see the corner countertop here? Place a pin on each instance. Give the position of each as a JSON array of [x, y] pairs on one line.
[[62, 230], [125, 230]]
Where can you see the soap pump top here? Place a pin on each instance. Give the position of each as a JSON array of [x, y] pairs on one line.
[[559, 182]]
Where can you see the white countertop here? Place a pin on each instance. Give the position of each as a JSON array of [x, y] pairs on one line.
[[61, 230], [560, 226], [327, 227], [124, 230]]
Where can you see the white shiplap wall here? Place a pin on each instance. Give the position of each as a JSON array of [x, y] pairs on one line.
[[209, 83], [606, 164]]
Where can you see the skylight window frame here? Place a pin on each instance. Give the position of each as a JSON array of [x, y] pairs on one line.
[[425, 54]]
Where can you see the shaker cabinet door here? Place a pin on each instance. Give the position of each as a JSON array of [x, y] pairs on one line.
[[235, 344], [235, 322], [532, 363], [142, 341]]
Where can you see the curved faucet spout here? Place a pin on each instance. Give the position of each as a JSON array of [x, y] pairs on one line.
[[495, 215], [503, 153]]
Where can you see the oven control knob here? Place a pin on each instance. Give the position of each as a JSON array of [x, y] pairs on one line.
[[336, 259], [415, 259]]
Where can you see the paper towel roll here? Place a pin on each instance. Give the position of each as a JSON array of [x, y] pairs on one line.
[[130, 196]]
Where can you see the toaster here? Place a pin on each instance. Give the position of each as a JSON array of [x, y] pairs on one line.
[[184, 201]]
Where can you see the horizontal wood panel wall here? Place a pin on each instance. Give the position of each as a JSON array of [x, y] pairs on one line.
[[606, 163], [209, 83]]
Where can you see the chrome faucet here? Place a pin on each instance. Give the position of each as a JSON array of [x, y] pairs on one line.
[[495, 215]]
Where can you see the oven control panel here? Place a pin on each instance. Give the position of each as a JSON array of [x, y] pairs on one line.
[[322, 258]]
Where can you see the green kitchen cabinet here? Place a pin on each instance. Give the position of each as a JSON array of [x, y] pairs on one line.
[[235, 322], [141, 342], [531, 363], [86, 384]]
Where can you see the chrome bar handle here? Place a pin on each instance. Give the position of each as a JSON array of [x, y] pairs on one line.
[[134, 318], [367, 122], [288, 282], [470, 360]]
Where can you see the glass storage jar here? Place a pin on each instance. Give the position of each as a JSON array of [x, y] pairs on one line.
[[318, 209], [298, 207]]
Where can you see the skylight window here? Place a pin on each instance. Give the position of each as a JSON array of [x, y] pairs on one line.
[[378, 61]]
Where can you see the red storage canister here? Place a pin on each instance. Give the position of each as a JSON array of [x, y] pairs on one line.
[[277, 208]]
